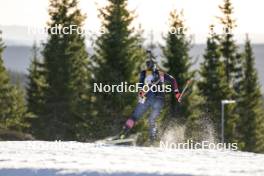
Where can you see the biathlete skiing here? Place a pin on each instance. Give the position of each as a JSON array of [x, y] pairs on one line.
[[153, 100]]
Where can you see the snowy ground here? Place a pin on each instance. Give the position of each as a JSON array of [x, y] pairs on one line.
[[80, 159]]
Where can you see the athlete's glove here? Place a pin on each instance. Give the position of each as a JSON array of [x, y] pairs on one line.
[[178, 96]]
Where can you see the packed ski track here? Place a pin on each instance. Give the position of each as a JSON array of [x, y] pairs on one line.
[[39, 158]]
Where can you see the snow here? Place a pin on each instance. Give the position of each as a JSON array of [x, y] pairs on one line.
[[31, 158]]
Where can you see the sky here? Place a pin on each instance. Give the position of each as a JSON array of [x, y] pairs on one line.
[[151, 14]]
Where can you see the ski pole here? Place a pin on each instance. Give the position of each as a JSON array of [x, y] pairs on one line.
[[184, 89]]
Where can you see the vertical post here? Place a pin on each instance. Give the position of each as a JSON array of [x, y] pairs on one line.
[[222, 121]]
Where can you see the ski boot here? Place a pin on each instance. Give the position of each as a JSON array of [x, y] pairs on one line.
[[124, 133], [153, 140], [126, 129]]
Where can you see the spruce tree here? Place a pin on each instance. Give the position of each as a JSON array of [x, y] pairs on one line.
[[35, 91], [177, 60], [229, 49], [117, 54], [13, 112], [178, 63], [66, 94], [251, 123], [213, 84]]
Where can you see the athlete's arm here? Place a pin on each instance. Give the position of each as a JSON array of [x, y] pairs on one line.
[[172, 81], [175, 89]]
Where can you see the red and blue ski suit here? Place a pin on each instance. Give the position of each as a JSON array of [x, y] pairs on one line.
[[154, 100]]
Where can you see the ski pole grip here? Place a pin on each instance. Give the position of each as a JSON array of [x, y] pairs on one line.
[[189, 81]]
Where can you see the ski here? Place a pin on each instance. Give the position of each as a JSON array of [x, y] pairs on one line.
[[115, 140]]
